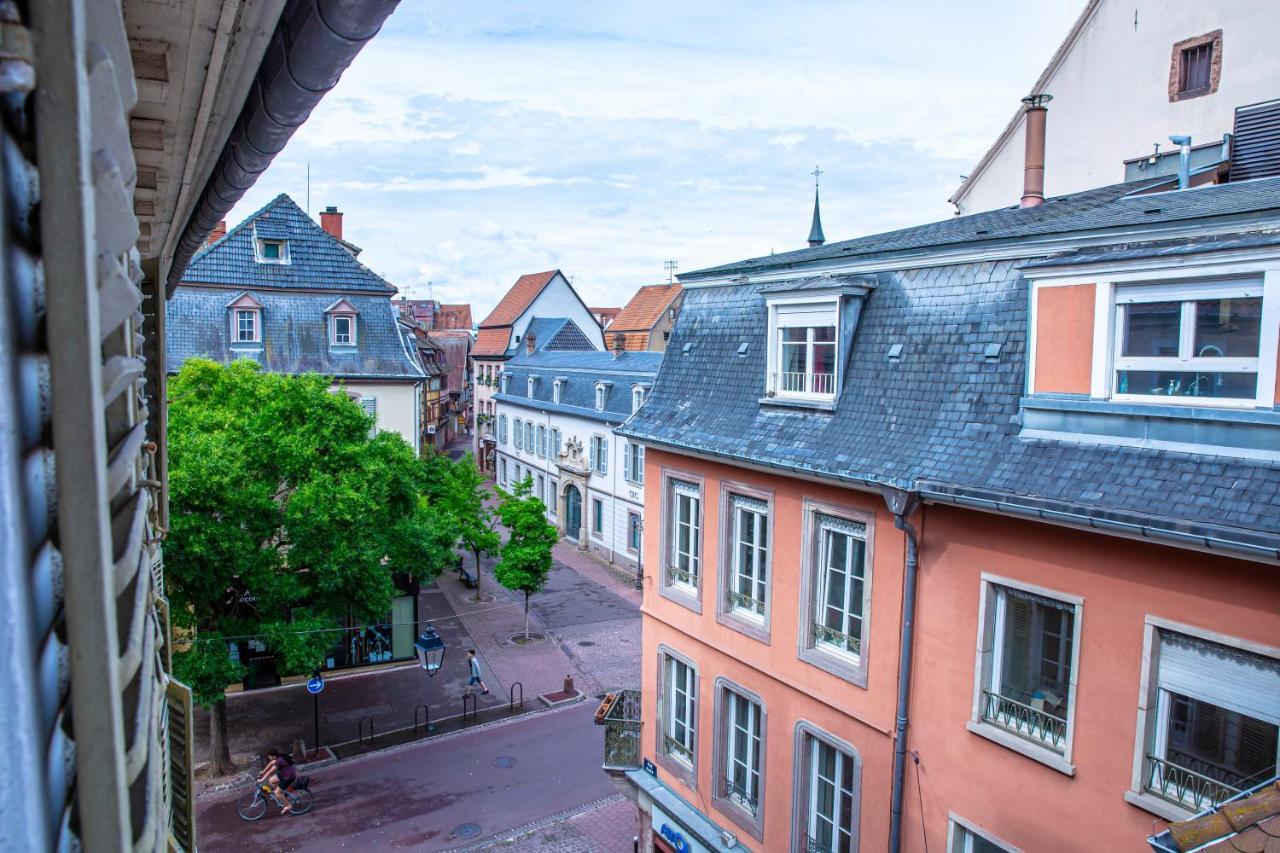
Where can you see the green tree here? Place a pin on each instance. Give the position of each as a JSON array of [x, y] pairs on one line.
[[286, 517], [526, 555], [466, 499]]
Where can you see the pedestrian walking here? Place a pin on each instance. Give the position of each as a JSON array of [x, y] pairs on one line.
[[474, 663]]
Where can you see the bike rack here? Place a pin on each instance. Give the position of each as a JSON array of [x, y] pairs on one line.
[[511, 705], [426, 719], [360, 731], [469, 697]]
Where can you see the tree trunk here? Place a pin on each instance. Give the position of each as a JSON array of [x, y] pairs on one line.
[[477, 553], [526, 617], [219, 745]]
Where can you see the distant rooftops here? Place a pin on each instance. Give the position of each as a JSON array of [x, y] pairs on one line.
[[645, 308]]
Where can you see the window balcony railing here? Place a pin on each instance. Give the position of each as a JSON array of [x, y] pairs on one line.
[[812, 845], [1185, 786], [746, 602], [1025, 721], [619, 713], [675, 574], [677, 749], [822, 384], [740, 796], [832, 637]]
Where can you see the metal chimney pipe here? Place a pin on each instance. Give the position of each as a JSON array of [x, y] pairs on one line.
[[1033, 168], [1184, 160]]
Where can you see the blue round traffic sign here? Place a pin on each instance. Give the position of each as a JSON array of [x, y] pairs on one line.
[[315, 685]]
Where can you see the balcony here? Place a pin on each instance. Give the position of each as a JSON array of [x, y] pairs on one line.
[[1031, 723], [740, 796], [619, 713], [810, 384], [1194, 783]]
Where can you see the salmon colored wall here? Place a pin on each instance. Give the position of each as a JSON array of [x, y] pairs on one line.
[[791, 689], [1006, 793], [1064, 339]]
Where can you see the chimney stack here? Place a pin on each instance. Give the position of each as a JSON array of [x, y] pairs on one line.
[[530, 343], [1033, 168], [331, 221], [219, 231], [1184, 160], [619, 343]]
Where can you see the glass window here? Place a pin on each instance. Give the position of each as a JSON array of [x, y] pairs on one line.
[[965, 840], [840, 588], [686, 534], [502, 472], [343, 329], [552, 488], [555, 443], [542, 441], [1188, 349], [555, 391], [246, 325], [1216, 726], [633, 532], [597, 516], [1028, 670], [599, 454], [637, 399], [502, 429], [750, 556], [831, 803], [742, 751], [600, 392], [633, 463], [807, 360], [518, 433], [680, 711]]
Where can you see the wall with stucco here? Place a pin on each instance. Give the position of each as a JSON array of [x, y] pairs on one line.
[[397, 405], [1011, 796]]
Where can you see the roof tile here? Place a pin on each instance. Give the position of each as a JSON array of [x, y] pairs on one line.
[[518, 298]]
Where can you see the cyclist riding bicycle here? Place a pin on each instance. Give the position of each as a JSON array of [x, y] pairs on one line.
[[279, 773]]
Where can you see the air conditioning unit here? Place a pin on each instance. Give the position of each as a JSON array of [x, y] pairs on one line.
[[728, 839]]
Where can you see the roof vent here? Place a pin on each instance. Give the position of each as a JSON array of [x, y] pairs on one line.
[[895, 352], [991, 352], [742, 348], [684, 350]]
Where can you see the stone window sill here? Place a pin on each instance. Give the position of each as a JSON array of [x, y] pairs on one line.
[[799, 403], [684, 597], [756, 629], [1158, 806], [1047, 757]]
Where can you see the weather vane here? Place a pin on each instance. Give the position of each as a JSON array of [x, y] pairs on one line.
[[816, 174]]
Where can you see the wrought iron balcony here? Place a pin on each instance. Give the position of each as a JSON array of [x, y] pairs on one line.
[[619, 713], [1184, 786], [675, 574], [741, 796], [1025, 721], [677, 749], [830, 636], [745, 602]]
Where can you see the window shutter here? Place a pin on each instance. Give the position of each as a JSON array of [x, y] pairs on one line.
[[1017, 644], [592, 460], [1230, 678], [518, 434], [627, 473], [604, 456]]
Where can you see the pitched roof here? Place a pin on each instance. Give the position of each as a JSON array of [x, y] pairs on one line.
[[456, 344], [579, 372], [1248, 823], [518, 298], [454, 316], [943, 416], [492, 342], [316, 258], [1097, 211], [645, 308]]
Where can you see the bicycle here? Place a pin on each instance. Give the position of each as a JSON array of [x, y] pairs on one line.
[[298, 795]]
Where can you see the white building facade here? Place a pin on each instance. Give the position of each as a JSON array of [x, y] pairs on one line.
[[556, 413], [1127, 76]]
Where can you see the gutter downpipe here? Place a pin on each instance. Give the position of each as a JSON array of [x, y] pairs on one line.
[[903, 504]]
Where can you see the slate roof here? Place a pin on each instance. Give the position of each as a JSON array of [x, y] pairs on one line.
[[942, 415], [456, 344], [518, 298], [294, 298], [580, 372], [316, 258], [1113, 207], [645, 308]]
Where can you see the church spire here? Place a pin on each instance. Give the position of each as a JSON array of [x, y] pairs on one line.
[[816, 237]]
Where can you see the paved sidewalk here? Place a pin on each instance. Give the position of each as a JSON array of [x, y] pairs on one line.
[[609, 825]]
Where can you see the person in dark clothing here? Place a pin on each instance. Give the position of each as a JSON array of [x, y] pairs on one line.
[[474, 663], [279, 773]]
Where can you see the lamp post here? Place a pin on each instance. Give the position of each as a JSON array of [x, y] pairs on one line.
[[430, 648], [640, 555]]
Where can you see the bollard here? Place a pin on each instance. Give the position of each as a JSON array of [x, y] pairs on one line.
[[299, 751], [568, 685]]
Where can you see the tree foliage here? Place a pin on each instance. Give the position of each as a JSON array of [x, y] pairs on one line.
[[526, 555], [286, 518], [466, 499]]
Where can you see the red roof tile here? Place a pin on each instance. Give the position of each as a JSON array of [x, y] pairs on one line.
[[454, 317], [492, 341], [645, 308], [518, 298]]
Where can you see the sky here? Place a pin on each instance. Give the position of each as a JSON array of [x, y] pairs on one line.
[[470, 143]]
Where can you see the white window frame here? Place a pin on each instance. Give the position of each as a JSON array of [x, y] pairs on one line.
[[1153, 709], [502, 429], [517, 433], [1188, 294], [333, 329], [599, 455], [988, 662], [731, 801], [961, 835], [802, 312], [819, 519], [633, 463], [686, 502], [370, 407], [635, 523], [597, 514], [637, 398], [602, 395], [808, 739], [553, 496], [502, 471], [740, 505], [253, 314], [555, 443], [677, 753], [260, 251], [542, 441]]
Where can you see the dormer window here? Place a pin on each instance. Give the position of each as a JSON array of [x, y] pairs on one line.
[[556, 387], [532, 386], [504, 380], [342, 323], [245, 316], [602, 394], [637, 398], [803, 351], [273, 251]]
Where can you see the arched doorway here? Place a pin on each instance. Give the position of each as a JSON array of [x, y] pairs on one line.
[[572, 512]]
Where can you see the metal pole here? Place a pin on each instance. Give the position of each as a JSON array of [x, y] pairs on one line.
[[315, 708], [640, 555]]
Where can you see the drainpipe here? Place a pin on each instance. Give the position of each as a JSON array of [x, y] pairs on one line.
[[1184, 160], [903, 505]]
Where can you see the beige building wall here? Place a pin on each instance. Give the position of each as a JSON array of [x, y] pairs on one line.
[[397, 406]]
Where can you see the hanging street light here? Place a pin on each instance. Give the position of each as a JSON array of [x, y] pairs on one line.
[[430, 650]]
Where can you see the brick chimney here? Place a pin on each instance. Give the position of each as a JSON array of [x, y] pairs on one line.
[[219, 231], [619, 343], [530, 343], [331, 221], [1033, 165]]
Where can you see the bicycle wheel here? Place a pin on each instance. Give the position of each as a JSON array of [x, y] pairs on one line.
[[302, 801], [252, 806]]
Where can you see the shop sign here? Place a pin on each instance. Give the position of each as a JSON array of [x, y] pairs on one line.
[[673, 833]]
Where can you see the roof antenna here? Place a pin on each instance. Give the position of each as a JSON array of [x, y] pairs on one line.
[[431, 291], [816, 237], [670, 267]]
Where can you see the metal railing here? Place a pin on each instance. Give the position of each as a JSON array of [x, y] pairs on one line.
[[1184, 786], [675, 574], [676, 748], [823, 634], [622, 727], [805, 383], [811, 845], [746, 602], [741, 796], [1023, 720]]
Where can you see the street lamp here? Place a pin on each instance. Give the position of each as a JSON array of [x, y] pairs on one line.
[[640, 556], [430, 650]]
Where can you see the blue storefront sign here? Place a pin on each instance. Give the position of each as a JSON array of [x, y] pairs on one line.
[[680, 839]]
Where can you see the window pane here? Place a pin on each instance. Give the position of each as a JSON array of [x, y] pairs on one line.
[[1031, 692], [1175, 383], [1228, 327], [794, 334], [824, 334], [1226, 746], [1151, 329]]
